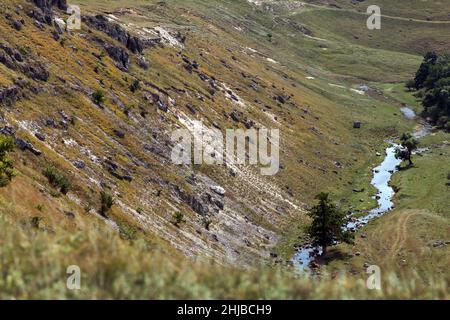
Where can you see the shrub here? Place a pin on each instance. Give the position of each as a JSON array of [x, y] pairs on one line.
[[106, 201], [178, 218], [128, 232], [443, 122], [135, 86], [57, 179], [55, 193], [206, 222], [6, 165], [98, 97], [35, 222]]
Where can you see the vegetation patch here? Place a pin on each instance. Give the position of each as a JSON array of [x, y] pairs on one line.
[[57, 179]]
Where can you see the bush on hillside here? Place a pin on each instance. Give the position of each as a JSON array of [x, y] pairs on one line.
[[98, 97], [57, 179], [178, 218], [6, 165], [106, 201]]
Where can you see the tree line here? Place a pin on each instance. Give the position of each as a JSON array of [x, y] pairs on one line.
[[432, 83]]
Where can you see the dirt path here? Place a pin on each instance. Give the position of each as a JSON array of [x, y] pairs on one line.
[[321, 7], [401, 233]]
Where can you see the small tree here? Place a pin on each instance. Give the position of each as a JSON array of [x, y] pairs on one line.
[[408, 145], [106, 201], [98, 97], [178, 218], [6, 165], [327, 225]]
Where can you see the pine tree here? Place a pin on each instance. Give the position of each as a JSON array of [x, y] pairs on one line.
[[327, 225]]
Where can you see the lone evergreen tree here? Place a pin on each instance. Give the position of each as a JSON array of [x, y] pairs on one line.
[[327, 225], [408, 145]]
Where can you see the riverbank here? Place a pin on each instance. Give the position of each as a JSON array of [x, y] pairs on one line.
[[307, 256], [415, 236]]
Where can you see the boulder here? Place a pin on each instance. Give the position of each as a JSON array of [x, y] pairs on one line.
[[119, 133], [46, 8], [116, 171], [79, 164], [196, 204], [249, 124], [236, 116], [69, 215], [219, 203], [36, 71], [364, 88], [50, 122], [17, 25], [8, 131], [219, 190], [60, 25], [14, 60], [281, 99], [9, 95], [40, 136], [143, 63], [45, 5], [119, 55], [25, 145]]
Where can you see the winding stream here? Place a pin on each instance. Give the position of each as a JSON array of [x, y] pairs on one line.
[[306, 254]]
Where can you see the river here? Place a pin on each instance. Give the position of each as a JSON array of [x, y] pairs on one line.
[[382, 176]]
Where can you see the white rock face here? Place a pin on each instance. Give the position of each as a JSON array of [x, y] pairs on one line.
[[168, 38], [61, 23], [219, 190]]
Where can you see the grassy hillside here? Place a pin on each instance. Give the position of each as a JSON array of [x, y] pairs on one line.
[[298, 70], [414, 9]]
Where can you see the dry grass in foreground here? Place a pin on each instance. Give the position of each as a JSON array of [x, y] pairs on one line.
[[33, 264]]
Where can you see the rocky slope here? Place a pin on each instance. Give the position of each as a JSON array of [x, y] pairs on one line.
[[48, 77], [163, 66]]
